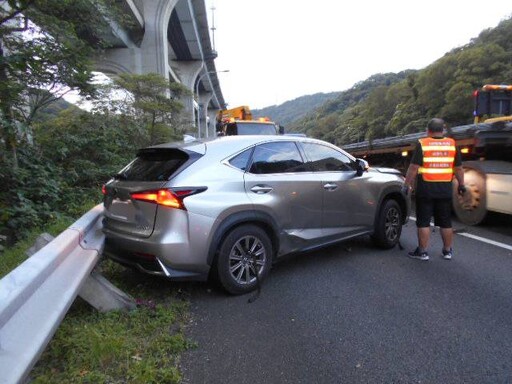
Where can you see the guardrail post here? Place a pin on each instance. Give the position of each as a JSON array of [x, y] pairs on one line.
[[103, 295], [96, 290]]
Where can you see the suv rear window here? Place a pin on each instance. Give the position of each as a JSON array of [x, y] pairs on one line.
[[154, 164]]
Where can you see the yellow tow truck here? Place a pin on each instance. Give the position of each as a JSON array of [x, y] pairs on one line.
[[239, 121]]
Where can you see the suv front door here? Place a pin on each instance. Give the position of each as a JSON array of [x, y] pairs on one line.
[[348, 206]]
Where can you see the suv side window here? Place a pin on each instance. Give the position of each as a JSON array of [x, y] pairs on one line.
[[277, 157], [326, 159], [241, 160]]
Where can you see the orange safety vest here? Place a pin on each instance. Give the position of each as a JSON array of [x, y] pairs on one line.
[[438, 159]]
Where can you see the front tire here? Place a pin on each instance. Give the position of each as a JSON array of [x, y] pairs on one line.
[[388, 227], [245, 250]]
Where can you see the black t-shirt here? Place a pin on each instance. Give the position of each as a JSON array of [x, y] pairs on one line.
[[432, 190]]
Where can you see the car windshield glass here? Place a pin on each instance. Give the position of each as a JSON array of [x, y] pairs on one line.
[[153, 165], [255, 129]]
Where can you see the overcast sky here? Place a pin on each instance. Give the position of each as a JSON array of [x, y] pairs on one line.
[[278, 50]]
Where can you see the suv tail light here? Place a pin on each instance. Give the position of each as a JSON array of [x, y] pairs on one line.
[[167, 197]]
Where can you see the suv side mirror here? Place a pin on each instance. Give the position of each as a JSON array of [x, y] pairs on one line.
[[361, 166], [281, 130]]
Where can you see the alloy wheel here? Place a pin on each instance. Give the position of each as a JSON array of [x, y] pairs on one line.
[[392, 224], [247, 255]]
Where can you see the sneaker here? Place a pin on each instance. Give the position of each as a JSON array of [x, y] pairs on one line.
[[447, 255], [416, 254]]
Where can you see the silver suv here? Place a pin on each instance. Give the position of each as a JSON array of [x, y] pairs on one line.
[[230, 207]]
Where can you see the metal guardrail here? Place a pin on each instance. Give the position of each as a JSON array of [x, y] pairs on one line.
[[35, 297]]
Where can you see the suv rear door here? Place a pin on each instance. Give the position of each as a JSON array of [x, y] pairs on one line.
[[279, 183]]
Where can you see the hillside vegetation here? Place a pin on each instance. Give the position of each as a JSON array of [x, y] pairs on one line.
[[295, 109], [397, 104]]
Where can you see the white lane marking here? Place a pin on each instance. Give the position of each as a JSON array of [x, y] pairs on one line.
[[488, 241], [482, 239]]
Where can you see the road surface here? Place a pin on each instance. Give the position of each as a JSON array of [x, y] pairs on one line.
[[355, 314]]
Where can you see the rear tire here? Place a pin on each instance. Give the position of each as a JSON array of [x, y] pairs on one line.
[[388, 226], [243, 251], [471, 208]]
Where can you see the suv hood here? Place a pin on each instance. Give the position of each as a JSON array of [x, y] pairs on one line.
[[391, 171]]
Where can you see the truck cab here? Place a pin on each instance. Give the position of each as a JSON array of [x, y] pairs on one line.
[[239, 121], [249, 127]]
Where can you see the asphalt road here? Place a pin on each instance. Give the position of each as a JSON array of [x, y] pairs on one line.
[[354, 314]]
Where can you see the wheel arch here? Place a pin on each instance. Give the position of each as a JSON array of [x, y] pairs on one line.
[[261, 219], [393, 194]]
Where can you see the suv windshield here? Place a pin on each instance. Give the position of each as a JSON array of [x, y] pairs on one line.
[[153, 165]]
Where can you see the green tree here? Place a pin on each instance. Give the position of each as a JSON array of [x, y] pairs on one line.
[[433, 83], [459, 104], [39, 50], [45, 50], [71, 156], [481, 64], [152, 101]]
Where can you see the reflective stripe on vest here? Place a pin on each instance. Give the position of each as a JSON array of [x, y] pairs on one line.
[[438, 159]]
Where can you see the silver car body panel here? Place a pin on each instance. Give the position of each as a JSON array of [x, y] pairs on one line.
[[294, 198], [349, 206]]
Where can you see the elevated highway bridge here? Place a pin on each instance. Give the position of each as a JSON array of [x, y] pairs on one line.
[[171, 38]]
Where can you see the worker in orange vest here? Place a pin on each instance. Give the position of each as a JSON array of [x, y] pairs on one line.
[[435, 162]]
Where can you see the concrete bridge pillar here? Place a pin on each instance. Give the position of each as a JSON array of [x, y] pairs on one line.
[[203, 126], [188, 71], [212, 121], [154, 49], [152, 56]]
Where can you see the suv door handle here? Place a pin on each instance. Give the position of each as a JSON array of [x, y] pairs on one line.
[[260, 189], [330, 186]]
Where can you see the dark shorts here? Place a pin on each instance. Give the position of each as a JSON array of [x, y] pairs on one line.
[[440, 209]]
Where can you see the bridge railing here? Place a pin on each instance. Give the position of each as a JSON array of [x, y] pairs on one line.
[[35, 296]]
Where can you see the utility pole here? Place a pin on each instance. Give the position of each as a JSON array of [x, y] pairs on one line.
[[213, 27]]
